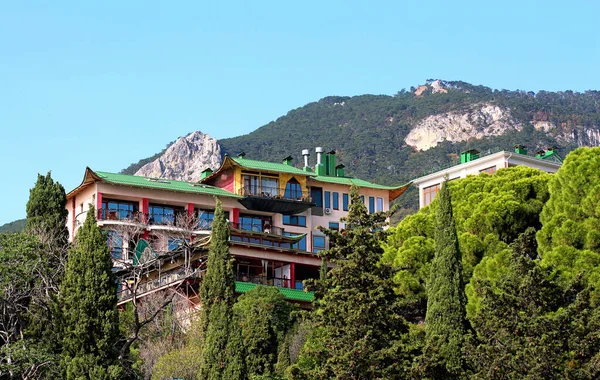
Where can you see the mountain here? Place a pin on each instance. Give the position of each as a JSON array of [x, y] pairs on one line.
[[185, 158], [393, 139], [15, 226]]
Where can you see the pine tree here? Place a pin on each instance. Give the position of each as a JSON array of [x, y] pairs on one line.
[[445, 320], [88, 301], [218, 324], [358, 330]]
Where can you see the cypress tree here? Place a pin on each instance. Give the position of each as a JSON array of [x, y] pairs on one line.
[[88, 301], [445, 320], [46, 211], [222, 350]]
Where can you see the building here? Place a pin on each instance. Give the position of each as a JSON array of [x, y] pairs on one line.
[[473, 163], [273, 209]]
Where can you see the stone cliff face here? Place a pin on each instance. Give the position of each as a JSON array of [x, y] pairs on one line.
[[185, 159], [480, 121]]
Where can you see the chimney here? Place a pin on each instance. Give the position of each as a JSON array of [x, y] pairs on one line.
[[330, 163], [241, 154], [305, 154], [520, 149], [319, 168], [287, 161], [339, 170], [206, 173], [540, 154], [469, 155]]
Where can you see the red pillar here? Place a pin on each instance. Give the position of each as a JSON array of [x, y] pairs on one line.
[[74, 220], [235, 216], [190, 209], [144, 216], [98, 201], [293, 275]]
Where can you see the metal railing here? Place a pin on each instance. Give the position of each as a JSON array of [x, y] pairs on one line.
[[258, 227], [275, 193], [454, 163], [178, 219], [148, 286], [264, 280], [120, 215]]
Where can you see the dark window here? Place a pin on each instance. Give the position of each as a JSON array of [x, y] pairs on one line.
[[316, 193], [318, 243], [336, 201], [334, 226], [206, 218], [345, 201], [362, 199], [327, 199], [294, 220], [371, 204], [254, 223], [159, 214]]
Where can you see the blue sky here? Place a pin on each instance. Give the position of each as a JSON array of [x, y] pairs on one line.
[[106, 84]]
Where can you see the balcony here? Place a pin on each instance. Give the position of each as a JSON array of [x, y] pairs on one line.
[[261, 234], [165, 280], [178, 220], [289, 200]]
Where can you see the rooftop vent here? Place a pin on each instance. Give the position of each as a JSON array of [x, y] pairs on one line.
[[160, 180], [206, 173], [241, 155], [520, 149], [287, 161], [339, 170]]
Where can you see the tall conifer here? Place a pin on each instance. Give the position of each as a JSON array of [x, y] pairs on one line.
[[46, 211], [88, 300], [445, 319], [222, 352]]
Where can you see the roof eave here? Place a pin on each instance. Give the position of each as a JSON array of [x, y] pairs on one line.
[[88, 178]]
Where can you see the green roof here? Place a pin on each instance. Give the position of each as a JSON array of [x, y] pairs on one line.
[[349, 181], [291, 294], [269, 166], [163, 184]]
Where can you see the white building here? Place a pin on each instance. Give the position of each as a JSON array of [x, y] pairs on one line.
[[471, 163]]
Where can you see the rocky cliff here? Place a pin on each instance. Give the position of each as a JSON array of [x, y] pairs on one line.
[[185, 159]]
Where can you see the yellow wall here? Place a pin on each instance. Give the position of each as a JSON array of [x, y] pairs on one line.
[[283, 179]]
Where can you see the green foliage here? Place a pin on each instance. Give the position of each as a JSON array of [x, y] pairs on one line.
[[89, 313], [357, 329], [569, 241], [14, 226], [222, 349], [46, 211], [529, 327], [181, 363], [445, 322], [490, 211], [265, 319]]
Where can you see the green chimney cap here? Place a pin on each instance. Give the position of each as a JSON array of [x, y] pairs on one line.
[[288, 160], [241, 154]]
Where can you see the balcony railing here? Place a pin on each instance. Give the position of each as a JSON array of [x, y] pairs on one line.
[[163, 281], [120, 215], [264, 280], [258, 227], [275, 193], [177, 220]]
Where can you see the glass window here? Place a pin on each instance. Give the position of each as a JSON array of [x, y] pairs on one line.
[[345, 201], [327, 199], [301, 244], [117, 210], [270, 187], [295, 220], [174, 243], [318, 243], [254, 223], [205, 219], [490, 170], [158, 214], [293, 190], [334, 226], [336, 201], [371, 204], [250, 185], [114, 240], [429, 194], [379, 204], [362, 199]]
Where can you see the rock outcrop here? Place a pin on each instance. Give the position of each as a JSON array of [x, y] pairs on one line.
[[185, 159], [482, 120]]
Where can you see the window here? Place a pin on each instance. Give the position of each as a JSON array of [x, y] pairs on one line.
[[336, 201], [371, 205], [316, 193], [334, 226], [295, 220], [300, 245], [362, 199], [270, 187], [318, 243], [254, 223], [159, 214], [345, 201], [293, 190], [379, 204], [429, 194], [117, 210], [206, 218], [174, 243], [250, 185], [327, 199], [114, 240], [490, 170]]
